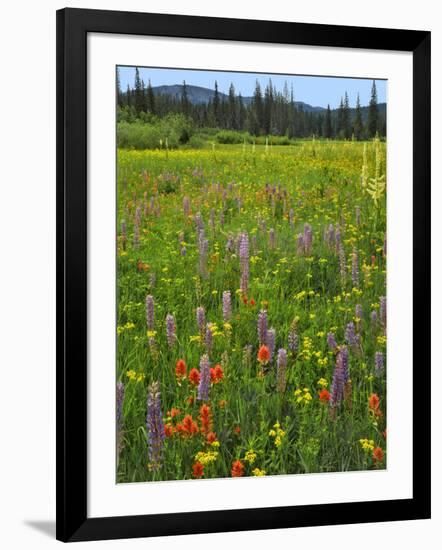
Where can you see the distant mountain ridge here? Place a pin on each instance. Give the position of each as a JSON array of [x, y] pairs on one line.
[[199, 95]]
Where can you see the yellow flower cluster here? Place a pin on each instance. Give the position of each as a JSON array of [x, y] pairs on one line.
[[277, 433], [128, 326], [367, 445], [258, 473], [206, 457], [322, 383], [137, 376], [303, 397], [250, 456]]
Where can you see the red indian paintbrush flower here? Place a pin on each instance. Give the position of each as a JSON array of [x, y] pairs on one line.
[[188, 426], [324, 396], [198, 470], [205, 418], [180, 369], [211, 437], [264, 355], [378, 455], [194, 377], [237, 469], [216, 374], [373, 405]]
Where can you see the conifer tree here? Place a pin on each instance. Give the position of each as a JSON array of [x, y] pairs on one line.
[[150, 99], [138, 93], [373, 115], [346, 128], [327, 131], [216, 106], [357, 123]]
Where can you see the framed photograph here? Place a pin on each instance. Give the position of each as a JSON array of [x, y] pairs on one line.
[[243, 274]]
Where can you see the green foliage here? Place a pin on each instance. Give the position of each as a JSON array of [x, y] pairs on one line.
[[150, 132]]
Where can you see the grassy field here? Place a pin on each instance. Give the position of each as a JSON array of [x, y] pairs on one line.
[[265, 269]]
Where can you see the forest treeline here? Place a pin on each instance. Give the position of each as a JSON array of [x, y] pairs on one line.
[[268, 112]]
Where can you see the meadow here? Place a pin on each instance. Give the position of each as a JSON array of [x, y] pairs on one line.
[[251, 313]]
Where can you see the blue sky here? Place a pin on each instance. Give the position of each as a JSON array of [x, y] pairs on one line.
[[315, 90]]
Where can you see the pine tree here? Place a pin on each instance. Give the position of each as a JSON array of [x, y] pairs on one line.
[[268, 108], [242, 113], [215, 106], [185, 105], [232, 108], [257, 107], [346, 128], [340, 121], [373, 115], [118, 86], [128, 96], [327, 131], [150, 99], [138, 99], [358, 126]]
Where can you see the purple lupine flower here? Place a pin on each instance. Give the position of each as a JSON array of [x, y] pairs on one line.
[[300, 245], [384, 250], [230, 244], [331, 341], [292, 218], [293, 338], [186, 206], [358, 312], [120, 400], [209, 338], [136, 239], [244, 262], [308, 238], [342, 262], [183, 251], [374, 319], [378, 363], [358, 215], [203, 249], [254, 245], [262, 327], [221, 218], [270, 339], [200, 318], [155, 426], [281, 364], [272, 237], [383, 311], [138, 215], [343, 359], [338, 240], [355, 268], [227, 306], [150, 319], [350, 335], [204, 385], [338, 383], [329, 236], [123, 233], [170, 329]]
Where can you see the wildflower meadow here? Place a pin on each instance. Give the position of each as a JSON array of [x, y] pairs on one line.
[[251, 309]]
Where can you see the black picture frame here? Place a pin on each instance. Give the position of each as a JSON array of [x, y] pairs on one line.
[[73, 25]]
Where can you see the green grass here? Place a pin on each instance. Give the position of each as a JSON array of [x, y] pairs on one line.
[[321, 182]]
